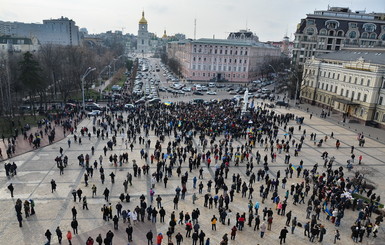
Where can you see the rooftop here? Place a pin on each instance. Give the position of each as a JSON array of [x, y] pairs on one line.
[[374, 56]]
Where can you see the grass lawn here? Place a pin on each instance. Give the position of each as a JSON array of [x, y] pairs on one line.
[[6, 128], [118, 79]]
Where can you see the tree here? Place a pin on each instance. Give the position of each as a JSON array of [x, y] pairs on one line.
[[30, 76]]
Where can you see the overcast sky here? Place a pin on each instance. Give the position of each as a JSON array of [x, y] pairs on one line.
[[269, 19]]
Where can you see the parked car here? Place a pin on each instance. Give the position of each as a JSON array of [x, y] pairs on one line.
[[281, 103], [197, 93]]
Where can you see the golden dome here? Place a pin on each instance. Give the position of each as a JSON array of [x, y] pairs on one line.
[[164, 34], [143, 20]]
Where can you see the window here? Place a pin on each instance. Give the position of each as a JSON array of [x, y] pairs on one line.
[[352, 95], [310, 31], [362, 81], [368, 84], [380, 100], [376, 116], [358, 96], [309, 22], [369, 27], [344, 78], [383, 37], [355, 80], [353, 25], [338, 76], [362, 112], [364, 35], [352, 34], [350, 79], [323, 32], [365, 97], [335, 89], [332, 24], [373, 36], [342, 92], [347, 94]]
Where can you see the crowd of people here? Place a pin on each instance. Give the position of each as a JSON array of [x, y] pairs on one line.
[[194, 141]]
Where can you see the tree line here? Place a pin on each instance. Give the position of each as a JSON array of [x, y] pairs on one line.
[[50, 74]]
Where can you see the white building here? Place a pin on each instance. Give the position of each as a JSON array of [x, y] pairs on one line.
[[61, 31], [350, 81], [143, 39]]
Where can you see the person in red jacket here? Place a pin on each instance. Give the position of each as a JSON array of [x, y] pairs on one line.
[[159, 239]]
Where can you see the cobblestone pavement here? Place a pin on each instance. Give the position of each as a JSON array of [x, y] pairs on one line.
[[37, 168]]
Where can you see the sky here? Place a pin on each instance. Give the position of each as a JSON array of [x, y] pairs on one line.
[[270, 20]]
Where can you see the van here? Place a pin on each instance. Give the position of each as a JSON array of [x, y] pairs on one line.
[[211, 85], [198, 88]]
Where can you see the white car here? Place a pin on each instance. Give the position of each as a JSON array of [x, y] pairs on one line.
[[94, 113], [211, 92]]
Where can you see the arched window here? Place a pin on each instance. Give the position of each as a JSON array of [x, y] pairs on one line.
[[373, 36], [332, 24], [322, 32], [369, 27], [352, 34], [340, 33], [310, 31], [364, 35]]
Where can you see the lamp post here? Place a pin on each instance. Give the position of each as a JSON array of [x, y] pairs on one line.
[[88, 71], [100, 81]]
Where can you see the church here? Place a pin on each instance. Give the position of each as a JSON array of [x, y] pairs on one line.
[[143, 39]]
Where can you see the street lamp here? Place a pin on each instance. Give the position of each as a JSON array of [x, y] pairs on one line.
[[88, 71]]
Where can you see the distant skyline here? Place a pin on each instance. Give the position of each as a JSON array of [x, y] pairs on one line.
[[270, 20]]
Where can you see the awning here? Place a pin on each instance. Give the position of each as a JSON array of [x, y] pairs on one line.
[[346, 102]]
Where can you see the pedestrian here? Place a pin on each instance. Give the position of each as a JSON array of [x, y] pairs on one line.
[[53, 185], [99, 239], [48, 235], [263, 229], [159, 239], [74, 225], [214, 223], [11, 189], [85, 205], [116, 222], [282, 235], [149, 237], [233, 232], [69, 237], [293, 225], [129, 231], [336, 236], [74, 212], [59, 234]]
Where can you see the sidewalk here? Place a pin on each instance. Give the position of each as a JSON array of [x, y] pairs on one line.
[[336, 118], [23, 146]]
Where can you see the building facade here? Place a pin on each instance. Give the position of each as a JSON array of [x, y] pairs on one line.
[[144, 38], [330, 30], [350, 81], [221, 59], [61, 31], [285, 45]]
